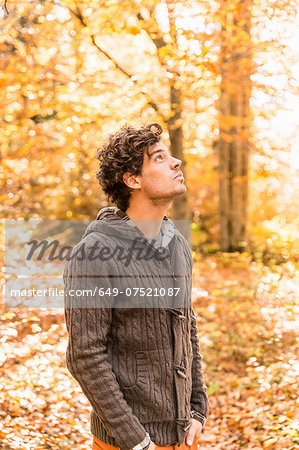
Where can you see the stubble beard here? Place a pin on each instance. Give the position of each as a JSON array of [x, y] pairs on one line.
[[164, 200]]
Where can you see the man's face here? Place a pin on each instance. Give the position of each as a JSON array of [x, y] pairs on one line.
[[161, 176]]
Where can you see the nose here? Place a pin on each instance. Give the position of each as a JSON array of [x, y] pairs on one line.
[[175, 163]]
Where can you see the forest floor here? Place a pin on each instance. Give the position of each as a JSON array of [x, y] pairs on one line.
[[247, 328]]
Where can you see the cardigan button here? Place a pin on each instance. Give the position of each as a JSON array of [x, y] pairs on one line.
[[187, 427], [181, 374], [180, 316]]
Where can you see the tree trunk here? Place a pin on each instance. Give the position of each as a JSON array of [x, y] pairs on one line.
[[234, 129], [180, 209]]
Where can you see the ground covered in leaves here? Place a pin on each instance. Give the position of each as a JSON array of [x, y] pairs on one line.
[[246, 320]]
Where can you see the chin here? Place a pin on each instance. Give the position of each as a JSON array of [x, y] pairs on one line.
[[181, 190]]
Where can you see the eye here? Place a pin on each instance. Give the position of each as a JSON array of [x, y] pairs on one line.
[[159, 156]]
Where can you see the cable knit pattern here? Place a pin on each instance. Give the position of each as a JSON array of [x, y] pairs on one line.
[[140, 368]]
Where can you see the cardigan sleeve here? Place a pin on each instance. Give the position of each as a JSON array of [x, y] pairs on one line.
[[199, 398], [88, 323]]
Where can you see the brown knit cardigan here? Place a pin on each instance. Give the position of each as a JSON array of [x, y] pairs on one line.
[[138, 363]]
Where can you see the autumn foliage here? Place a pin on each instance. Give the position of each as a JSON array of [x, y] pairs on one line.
[[221, 77]]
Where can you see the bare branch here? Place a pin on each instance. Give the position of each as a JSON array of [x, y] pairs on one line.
[[5, 7], [158, 41], [77, 13]]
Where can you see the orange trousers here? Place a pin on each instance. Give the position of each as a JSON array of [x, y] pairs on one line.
[[99, 445]]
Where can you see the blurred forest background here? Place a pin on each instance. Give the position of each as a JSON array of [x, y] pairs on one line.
[[221, 77]]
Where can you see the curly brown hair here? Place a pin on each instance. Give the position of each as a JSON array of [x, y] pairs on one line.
[[124, 152]]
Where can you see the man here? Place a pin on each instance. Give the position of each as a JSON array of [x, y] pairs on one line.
[[133, 344]]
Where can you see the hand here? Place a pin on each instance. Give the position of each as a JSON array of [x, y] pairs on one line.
[[194, 430], [152, 446]]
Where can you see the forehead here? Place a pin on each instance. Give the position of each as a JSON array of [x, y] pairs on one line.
[[158, 146]]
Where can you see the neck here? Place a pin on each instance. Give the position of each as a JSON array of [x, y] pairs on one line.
[[147, 215]]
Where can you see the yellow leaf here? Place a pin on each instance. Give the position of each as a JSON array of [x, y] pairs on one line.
[[269, 442], [216, 292]]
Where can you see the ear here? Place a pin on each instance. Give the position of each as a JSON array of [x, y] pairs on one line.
[[132, 181]]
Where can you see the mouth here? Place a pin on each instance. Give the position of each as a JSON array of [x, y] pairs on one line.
[[179, 176]]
